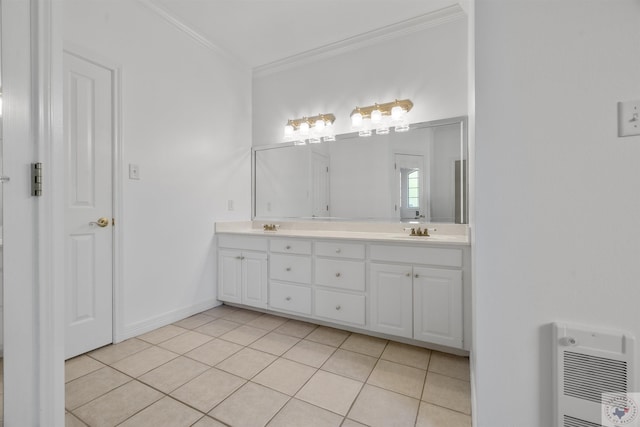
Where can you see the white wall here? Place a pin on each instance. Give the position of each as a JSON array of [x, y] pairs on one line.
[[429, 67], [556, 191], [184, 116]]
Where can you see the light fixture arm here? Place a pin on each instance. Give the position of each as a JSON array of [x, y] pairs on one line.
[[327, 118], [385, 108]]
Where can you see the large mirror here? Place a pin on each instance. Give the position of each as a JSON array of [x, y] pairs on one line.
[[419, 175]]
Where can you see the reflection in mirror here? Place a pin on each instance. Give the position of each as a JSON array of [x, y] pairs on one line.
[[420, 175]]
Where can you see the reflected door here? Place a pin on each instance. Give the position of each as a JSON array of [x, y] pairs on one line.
[[88, 133], [410, 184], [320, 185]]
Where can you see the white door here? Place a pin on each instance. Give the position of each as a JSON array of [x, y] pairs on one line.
[[254, 279], [229, 276], [320, 185], [410, 185], [391, 296], [88, 135], [437, 298]]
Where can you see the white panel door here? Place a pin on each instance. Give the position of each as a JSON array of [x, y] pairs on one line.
[[230, 276], [320, 185], [391, 296], [254, 279], [88, 134], [437, 298]]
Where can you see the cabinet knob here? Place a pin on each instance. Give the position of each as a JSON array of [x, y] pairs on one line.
[[288, 298], [287, 247], [338, 250], [338, 307], [288, 268], [238, 257], [408, 274], [416, 276], [338, 274]]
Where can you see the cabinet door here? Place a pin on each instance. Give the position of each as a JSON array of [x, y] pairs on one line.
[[391, 299], [254, 279], [229, 276], [437, 310]]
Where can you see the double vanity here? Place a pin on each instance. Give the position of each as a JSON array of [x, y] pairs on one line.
[[373, 278]]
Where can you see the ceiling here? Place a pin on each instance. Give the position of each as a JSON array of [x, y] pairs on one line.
[[261, 32]]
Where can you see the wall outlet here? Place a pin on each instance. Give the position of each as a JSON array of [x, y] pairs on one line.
[[134, 171], [629, 118]]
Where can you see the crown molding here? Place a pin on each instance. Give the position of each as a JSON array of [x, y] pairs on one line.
[[195, 35], [389, 32]]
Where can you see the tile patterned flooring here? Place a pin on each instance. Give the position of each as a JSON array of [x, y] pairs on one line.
[[236, 367]]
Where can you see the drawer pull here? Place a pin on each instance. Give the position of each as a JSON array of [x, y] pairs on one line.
[[338, 250], [408, 274], [238, 257], [416, 276], [338, 274], [338, 307], [287, 247], [288, 268], [288, 298]]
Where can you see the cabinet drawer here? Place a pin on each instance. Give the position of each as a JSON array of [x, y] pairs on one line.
[[242, 242], [290, 297], [290, 246], [340, 250], [290, 268], [340, 306], [340, 274], [417, 255]]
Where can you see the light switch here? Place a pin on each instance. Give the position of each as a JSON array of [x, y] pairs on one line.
[[629, 118], [134, 171]]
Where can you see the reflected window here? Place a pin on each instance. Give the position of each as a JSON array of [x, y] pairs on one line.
[[413, 189]]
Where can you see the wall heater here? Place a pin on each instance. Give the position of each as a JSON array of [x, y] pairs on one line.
[[589, 362]]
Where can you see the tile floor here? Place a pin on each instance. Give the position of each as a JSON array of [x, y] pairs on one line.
[[230, 366]]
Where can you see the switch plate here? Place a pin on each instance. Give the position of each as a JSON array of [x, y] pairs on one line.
[[629, 118], [134, 171]]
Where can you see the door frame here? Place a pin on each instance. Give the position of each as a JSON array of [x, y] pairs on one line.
[[34, 296], [116, 178]]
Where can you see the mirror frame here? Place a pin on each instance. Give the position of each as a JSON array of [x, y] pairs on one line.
[[464, 133]]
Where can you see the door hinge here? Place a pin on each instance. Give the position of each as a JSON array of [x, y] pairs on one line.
[[113, 222], [327, 169], [36, 179], [327, 208]]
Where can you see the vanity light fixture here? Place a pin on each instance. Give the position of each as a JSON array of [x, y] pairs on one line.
[[313, 129], [381, 117]]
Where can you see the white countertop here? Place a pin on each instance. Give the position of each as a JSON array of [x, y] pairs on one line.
[[444, 234]]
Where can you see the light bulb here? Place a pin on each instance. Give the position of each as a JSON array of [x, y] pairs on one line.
[[356, 120], [304, 128], [376, 116], [329, 133], [288, 132], [366, 128], [319, 125], [397, 113]]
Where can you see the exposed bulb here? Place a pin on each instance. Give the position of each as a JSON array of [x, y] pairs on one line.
[[288, 131], [397, 113], [356, 120], [376, 116], [304, 128], [329, 133]]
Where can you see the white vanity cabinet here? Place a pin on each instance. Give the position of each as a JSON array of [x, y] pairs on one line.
[[414, 290], [242, 270], [290, 275], [340, 282], [423, 302]]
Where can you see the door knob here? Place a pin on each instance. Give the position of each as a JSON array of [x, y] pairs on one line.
[[101, 222]]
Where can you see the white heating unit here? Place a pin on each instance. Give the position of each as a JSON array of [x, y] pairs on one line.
[[589, 362]]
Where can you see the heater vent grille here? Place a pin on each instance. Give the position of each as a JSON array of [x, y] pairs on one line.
[[587, 377], [576, 422]]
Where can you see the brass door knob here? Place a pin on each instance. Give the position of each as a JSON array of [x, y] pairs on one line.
[[101, 222]]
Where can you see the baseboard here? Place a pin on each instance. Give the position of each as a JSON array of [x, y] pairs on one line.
[[144, 326]]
